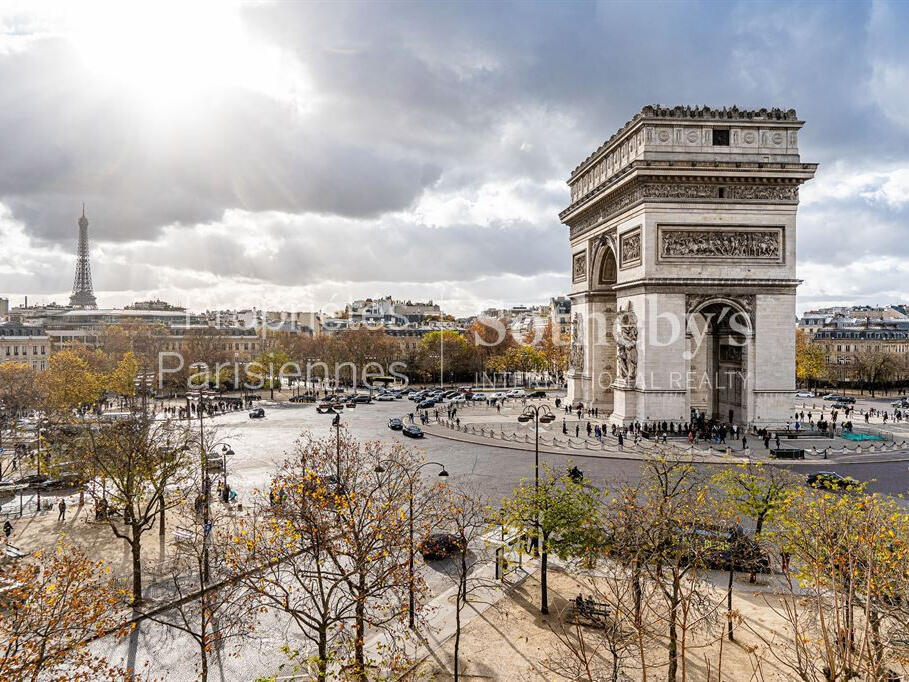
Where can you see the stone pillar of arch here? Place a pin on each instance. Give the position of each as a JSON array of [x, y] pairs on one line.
[[599, 315]]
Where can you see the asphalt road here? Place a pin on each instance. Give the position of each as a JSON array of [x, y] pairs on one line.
[[261, 444]]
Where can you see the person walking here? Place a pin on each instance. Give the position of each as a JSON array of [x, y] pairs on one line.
[[7, 530], [744, 442], [577, 429], [62, 508]]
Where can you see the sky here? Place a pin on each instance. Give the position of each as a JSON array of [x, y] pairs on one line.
[[295, 156]]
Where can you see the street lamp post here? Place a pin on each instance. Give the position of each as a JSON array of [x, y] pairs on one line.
[[206, 486], [538, 414], [411, 478], [336, 422]]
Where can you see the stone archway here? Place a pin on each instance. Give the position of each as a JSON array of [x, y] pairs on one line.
[[599, 316], [720, 340]]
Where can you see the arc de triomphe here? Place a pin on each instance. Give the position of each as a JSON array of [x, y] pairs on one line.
[[683, 233]]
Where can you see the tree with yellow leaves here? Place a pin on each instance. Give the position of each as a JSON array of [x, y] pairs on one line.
[[70, 384], [51, 605], [847, 573]]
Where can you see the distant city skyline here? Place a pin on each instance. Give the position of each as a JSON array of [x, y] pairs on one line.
[[282, 155]]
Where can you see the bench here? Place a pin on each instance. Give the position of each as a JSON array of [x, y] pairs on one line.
[[13, 552], [588, 612], [184, 535], [787, 453]]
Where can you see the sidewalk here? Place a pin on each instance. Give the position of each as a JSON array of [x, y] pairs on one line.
[[609, 449]]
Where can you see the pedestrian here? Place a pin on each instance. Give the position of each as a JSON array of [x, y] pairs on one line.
[[577, 429], [621, 440], [7, 530], [62, 507], [744, 442]]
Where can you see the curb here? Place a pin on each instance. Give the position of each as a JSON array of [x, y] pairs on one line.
[[442, 432]]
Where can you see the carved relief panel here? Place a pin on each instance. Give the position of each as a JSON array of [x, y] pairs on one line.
[[630, 248], [739, 243], [579, 267]]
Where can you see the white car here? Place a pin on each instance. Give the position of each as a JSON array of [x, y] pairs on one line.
[[805, 394], [457, 399], [385, 397], [517, 393], [478, 397], [500, 395]]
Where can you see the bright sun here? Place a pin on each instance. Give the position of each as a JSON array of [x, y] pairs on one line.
[[174, 53]]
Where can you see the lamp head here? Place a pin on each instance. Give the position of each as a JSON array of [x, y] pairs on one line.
[[547, 418], [443, 473], [523, 418], [379, 469]]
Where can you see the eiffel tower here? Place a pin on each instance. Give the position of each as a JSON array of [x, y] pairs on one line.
[[83, 296]]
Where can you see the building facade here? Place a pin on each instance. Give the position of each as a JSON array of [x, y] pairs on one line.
[[683, 232], [21, 343]]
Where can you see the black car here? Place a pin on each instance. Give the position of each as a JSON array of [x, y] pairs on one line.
[[365, 399], [847, 399], [440, 546], [536, 394], [412, 431], [395, 424], [257, 413], [830, 480], [426, 404]]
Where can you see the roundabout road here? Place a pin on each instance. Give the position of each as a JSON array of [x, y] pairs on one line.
[[260, 445]]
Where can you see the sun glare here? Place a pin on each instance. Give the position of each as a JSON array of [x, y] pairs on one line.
[[172, 53]]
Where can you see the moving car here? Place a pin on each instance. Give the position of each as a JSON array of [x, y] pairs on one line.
[[804, 394], [517, 393], [412, 431], [426, 404], [395, 424], [458, 399], [477, 397], [902, 402], [440, 546], [832, 396], [385, 398], [830, 480], [257, 413], [363, 399], [537, 394]]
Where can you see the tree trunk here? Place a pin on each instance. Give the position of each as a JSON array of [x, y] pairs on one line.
[[638, 624], [457, 642], [136, 549], [161, 519], [322, 663], [544, 593], [673, 634], [360, 636], [203, 676], [729, 603]]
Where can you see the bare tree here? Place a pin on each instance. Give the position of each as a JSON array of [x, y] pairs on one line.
[[136, 460], [213, 611]]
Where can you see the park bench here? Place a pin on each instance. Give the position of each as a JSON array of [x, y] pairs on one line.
[[183, 535], [13, 552], [586, 611]]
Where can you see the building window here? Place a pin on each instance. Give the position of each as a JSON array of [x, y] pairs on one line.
[[43, 352], [720, 137]]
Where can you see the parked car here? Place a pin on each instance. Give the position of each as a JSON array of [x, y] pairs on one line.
[[385, 398], [477, 397], [412, 431], [458, 399], [426, 404], [395, 424], [440, 546], [257, 413], [517, 393], [830, 480], [902, 402]]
